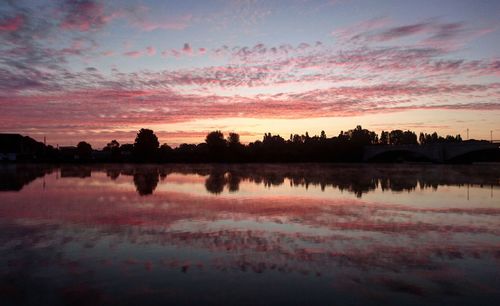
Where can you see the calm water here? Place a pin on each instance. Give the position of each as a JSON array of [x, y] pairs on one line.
[[250, 235]]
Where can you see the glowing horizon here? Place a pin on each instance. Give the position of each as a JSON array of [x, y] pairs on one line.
[[93, 70]]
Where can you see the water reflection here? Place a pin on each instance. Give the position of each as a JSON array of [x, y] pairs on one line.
[[249, 234], [146, 181], [357, 179], [14, 177]]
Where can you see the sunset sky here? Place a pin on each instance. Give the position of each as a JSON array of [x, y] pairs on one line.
[[95, 70]]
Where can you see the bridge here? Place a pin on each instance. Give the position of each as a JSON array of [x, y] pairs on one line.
[[438, 153]]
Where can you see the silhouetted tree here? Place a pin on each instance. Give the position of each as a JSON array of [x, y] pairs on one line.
[[398, 137], [126, 151], [235, 148], [433, 138], [323, 135], [384, 137], [421, 138], [233, 139], [165, 152], [84, 150], [114, 148], [216, 145], [146, 145], [360, 136], [215, 140], [113, 144], [409, 137], [346, 147]]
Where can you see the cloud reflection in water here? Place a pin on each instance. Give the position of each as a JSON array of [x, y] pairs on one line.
[[391, 234]]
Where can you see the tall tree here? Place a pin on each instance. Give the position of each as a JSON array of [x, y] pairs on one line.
[[146, 145], [114, 148], [323, 135], [216, 145], [84, 150], [233, 139], [384, 137], [215, 140]]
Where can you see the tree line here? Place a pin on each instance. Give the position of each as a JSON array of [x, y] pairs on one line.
[[346, 147]]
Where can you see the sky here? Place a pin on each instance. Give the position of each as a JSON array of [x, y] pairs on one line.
[[94, 70]]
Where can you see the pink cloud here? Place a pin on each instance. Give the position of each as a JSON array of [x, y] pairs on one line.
[[150, 51], [175, 23], [402, 31], [134, 53], [175, 53], [324, 73], [11, 24], [187, 49], [430, 33], [144, 107], [79, 47], [83, 15], [108, 53], [261, 52], [352, 31]]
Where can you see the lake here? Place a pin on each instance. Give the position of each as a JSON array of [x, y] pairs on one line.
[[305, 234]]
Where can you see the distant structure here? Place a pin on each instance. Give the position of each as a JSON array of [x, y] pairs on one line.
[[68, 152], [14, 147], [439, 152]]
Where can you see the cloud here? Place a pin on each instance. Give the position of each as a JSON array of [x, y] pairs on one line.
[[145, 97], [108, 53], [432, 33], [83, 15], [352, 32], [402, 31], [187, 49], [245, 14], [11, 24], [305, 79], [142, 21], [121, 107], [12, 82], [150, 51], [134, 53], [261, 52]]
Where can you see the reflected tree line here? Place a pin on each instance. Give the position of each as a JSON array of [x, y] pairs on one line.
[[219, 178]]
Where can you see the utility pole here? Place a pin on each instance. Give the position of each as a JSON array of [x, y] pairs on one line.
[[467, 134], [491, 136]]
